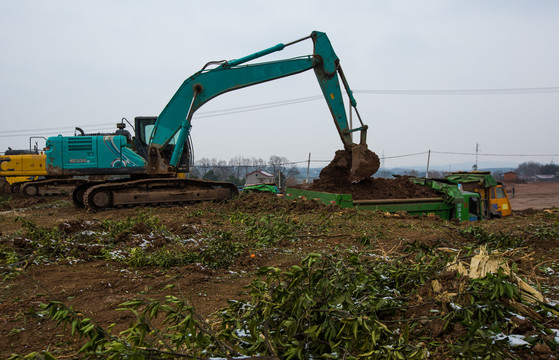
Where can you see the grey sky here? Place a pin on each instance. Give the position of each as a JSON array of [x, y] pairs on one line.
[[90, 63]]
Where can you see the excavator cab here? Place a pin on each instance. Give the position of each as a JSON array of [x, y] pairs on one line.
[[144, 126]]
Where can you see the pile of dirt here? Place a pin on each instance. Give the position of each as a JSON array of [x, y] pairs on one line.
[[270, 203], [4, 187], [375, 188], [334, 179]]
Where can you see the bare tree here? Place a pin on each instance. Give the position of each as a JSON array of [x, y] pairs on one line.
[[247, 166], [281, 167], [203, 165], [258, 163], [435, 174], [236, 168], [529, 168], [236, 164], [221, 169], [277, 164]]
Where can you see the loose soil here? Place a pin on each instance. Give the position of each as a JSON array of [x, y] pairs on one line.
[[533, 196], [334, 178], [374, 188], [96, 287]]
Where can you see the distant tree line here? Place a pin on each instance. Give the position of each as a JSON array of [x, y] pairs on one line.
[[236, 169], [388, 173], [525, 169], [531, 168]]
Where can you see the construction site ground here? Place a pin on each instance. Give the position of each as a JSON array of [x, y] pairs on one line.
[[94, 283]]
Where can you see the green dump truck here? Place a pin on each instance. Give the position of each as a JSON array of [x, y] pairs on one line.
[[494, 200], [453, 203]]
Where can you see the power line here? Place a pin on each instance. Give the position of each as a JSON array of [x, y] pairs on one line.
[[482, 154], [510, 91], [207, 114], [406, 155], [439, 152], [201, 115], [248, 108]]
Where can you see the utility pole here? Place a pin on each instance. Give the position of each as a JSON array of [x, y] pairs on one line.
[[477, 150], [382, 165], [308, 168], [428, 159]]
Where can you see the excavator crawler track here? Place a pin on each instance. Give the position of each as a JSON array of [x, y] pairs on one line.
[[79, 191], [159, 191], [50, 187]]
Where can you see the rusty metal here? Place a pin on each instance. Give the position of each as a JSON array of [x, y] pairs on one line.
[[156, 162]]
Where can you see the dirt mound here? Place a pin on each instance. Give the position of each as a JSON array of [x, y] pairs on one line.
[[4, 187], [334, 178], [336, 173], [263, 202], [371, 188]]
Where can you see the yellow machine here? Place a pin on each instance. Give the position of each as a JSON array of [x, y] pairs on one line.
[[498, 204], [25, 171], [495, 202], [19, 166], [16, 163]]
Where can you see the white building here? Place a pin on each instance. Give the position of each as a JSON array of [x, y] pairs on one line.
[[259, 177]]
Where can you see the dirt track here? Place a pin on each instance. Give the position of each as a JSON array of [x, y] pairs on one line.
[[534, 196]]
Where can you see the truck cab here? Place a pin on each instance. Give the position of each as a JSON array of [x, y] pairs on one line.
[[494, 200], [499, 203]]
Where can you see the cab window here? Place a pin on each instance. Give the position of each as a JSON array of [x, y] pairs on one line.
[[500, 193]]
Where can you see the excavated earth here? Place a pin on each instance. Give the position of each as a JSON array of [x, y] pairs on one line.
[[375, 188], [94, 281], [334, 179]]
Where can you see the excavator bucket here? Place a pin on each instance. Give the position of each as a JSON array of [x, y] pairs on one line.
[[364, 163], [356, 165]]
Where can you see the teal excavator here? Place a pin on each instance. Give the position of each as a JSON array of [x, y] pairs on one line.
[[149, 162]]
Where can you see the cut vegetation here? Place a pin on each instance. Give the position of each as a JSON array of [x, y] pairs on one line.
[[264, 277]]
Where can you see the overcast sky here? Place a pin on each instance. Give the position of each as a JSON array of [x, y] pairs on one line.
[[68, 63]]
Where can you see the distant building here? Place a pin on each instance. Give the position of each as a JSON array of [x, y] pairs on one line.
[[510, 176], [260, 177], [545, 178]]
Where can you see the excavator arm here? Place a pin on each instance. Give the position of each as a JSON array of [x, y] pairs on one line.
[[232, 75]]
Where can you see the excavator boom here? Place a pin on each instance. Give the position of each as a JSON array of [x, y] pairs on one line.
[[235, 74]]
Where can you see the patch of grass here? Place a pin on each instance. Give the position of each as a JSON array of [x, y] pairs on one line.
[[142, 219], [268, 229], [6, 202], [220, 250], [497, 240], [543, 232]]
